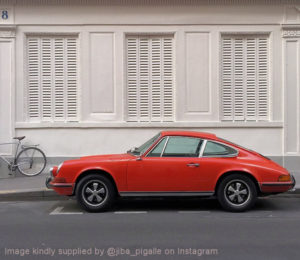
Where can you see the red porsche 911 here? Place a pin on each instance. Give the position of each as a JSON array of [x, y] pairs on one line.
[[173, 163]]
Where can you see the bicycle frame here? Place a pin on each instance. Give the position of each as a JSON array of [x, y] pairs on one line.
[[17, 144], [22, 155]]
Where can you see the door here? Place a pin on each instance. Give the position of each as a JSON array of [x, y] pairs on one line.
[[172, 166]]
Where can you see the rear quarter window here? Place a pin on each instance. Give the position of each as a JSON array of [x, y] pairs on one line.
[[217, 149]]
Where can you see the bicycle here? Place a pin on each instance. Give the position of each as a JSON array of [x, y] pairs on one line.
[[28, 159]]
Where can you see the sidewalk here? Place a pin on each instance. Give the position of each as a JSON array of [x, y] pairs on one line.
[[24, 187], [21, 187]]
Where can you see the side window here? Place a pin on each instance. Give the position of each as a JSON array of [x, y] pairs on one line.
[[156, 152], [178, 146], [217, 149]]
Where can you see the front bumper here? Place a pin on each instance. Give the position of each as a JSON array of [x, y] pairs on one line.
[[60, 188], [277, 187], [48, 180]]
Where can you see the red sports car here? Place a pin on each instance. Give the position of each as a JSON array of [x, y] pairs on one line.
[[173, 163]]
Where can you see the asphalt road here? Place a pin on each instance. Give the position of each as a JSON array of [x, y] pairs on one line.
[[150, 229]]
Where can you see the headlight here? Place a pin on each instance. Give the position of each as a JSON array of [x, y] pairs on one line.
[[283, 178], [51, 171], [58, 168]]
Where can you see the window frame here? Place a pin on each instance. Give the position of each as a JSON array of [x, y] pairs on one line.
[[269, 118], [219, 156], [165, 145], [201, 150], [149, 34], [159, 141], [27, 121]]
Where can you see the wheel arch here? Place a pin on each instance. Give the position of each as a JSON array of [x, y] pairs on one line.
[[95, 171], [255, 181]]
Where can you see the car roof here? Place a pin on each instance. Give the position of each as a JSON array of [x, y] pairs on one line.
[[190, 133]]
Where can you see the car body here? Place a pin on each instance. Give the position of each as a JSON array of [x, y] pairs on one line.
[[173, 163]]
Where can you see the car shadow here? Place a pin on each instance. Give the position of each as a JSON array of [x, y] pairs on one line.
[[262, 205], [183, 204]]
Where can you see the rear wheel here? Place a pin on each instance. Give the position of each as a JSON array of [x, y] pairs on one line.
[[95, 193], [237, 193]]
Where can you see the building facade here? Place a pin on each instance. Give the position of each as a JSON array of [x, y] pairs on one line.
[[88, 77]]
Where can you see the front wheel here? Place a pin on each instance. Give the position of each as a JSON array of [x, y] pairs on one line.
[[31, 161], [95, 193], [237, 193]]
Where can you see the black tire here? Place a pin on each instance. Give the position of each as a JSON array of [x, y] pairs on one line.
[[95, 193], [31, 161], [237, 193]]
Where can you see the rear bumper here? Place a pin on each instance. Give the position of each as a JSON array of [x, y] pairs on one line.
[[276, 187], [60, 188]]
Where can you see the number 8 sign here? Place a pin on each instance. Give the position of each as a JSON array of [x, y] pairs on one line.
[[4, 14]]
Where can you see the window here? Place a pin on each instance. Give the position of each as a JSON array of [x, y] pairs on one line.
[[245, 77], [178, 146], [52, 85], [145, 146], [216, 149], [150, 78], [156, 152]]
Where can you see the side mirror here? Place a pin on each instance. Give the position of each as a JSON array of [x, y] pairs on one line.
[[139, 158], [133, 149]]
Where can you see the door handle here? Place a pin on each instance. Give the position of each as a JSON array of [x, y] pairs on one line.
[[193, 164]]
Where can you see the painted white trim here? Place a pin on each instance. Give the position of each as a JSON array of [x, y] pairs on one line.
[[202, 148], [291, 33], [146, 2], [29, 125], [7, 31]]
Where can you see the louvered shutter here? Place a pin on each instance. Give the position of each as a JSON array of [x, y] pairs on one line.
[[34, 83], [168, 79], [52, 78], [245, 75], [263, 75], [150, 78], [72, 82], [132, 79]]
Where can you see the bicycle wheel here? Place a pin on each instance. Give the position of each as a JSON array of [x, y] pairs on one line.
[[31, 161]]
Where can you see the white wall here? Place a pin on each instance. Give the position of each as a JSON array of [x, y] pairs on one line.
[[6, 92], [79, 142], [103, 80], [197, 30]]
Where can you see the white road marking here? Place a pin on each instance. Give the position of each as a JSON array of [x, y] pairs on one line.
[[249, 214], [58, 210], [130, 212], [193, 211]]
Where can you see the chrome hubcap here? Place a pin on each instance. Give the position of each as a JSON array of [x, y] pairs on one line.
[[94, 192], [237, 192]]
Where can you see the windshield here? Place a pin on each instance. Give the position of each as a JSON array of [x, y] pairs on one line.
[[144, 147]]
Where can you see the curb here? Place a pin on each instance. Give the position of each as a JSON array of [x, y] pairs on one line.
[[297, 191], [28, 193], [43, 193]]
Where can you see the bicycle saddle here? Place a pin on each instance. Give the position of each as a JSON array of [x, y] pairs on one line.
[[19, 138]]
